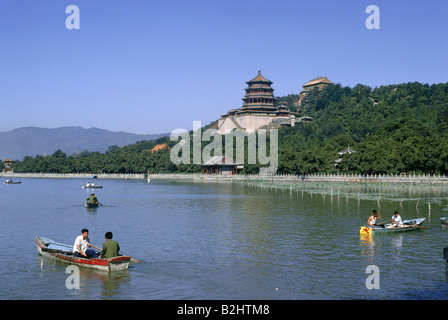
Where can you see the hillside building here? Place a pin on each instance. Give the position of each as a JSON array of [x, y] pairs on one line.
[[160, 147], [319, 83], [222, 165], [338, 161], [258, 109], [8, 163]]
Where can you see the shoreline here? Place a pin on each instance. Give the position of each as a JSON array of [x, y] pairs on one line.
[[421, 179]]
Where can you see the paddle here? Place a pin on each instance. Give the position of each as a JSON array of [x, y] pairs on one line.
[[381, 223], [417, 227]]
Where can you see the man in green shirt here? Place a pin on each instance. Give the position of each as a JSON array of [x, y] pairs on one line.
[[110, 247], [92, 199]]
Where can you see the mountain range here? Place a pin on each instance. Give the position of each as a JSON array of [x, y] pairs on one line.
[[32, 141]]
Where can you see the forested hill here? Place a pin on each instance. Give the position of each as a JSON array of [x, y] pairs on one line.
[[393, 129]]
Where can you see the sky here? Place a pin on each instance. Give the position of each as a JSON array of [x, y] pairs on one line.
[[153, 66]]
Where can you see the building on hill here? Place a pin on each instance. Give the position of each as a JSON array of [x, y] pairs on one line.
[[222, 165], [319, 83], [160, 147], [258, 109], [338, 161], [8, 163]]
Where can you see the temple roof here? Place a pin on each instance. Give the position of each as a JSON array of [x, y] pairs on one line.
[[259, 78], [348, 150], [160, 147], [219, 160], [318, 81]]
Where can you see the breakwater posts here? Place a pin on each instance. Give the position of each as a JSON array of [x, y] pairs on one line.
[[323, 178], [445, 257]]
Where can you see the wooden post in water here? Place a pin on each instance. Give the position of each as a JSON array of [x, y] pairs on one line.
[[445, 257]]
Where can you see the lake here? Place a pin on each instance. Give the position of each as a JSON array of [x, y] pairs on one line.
[[227, 240]]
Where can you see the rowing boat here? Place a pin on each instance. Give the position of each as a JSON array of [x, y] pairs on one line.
[[444, 222], [92, 187], [91, 205], [408, 225], [12, 182], [63, 252]]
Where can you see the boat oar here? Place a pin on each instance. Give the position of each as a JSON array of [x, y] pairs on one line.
[[418, 227], [135, 260], [381, 223]]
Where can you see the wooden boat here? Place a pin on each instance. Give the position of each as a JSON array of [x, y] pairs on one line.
[[92, 187], [91, 205], [12, 182], [408, 225], [444, 222], [63, 252]]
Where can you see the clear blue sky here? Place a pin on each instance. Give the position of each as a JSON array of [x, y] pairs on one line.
[[154, 66]]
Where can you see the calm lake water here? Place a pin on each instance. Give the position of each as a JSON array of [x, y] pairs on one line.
[[224, 240]]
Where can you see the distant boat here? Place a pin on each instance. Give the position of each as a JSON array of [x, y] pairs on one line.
[[408, 225], [64, 253], [12, 182], [91, 205], [444, 222], [92, 187]]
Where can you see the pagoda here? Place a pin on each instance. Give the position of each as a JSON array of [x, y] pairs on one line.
[[259, 96], [258, 109]]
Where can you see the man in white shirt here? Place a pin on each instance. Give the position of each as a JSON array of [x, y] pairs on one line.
[[82, 244], [396, 220]]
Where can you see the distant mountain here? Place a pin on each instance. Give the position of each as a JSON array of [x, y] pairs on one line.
[[32, 141]]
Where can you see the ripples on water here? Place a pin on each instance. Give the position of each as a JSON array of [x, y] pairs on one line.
[[226, 240]]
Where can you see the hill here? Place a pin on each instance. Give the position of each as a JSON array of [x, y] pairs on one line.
[[32, 141], [394, 129]]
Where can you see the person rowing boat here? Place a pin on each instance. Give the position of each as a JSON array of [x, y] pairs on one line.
[[373, 218], [82, 244], [397, 222], [92, 199]]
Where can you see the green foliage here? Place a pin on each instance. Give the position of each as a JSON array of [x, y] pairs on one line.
[[393, 129]]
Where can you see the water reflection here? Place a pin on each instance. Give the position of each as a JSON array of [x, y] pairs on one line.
[[111, 283]]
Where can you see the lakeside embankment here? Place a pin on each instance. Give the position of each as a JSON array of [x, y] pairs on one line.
[[14, 175], [287, 178]]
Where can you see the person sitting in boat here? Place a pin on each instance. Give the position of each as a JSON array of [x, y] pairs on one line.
[[110, 247], [82, 244], [396, 220], [87, 184], [92, 199], [373, 218]]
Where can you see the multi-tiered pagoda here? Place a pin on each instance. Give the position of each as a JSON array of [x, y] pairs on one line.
[[258, 109], [259, 96]]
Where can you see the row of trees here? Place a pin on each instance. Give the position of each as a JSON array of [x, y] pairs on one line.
[[393, 129]]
